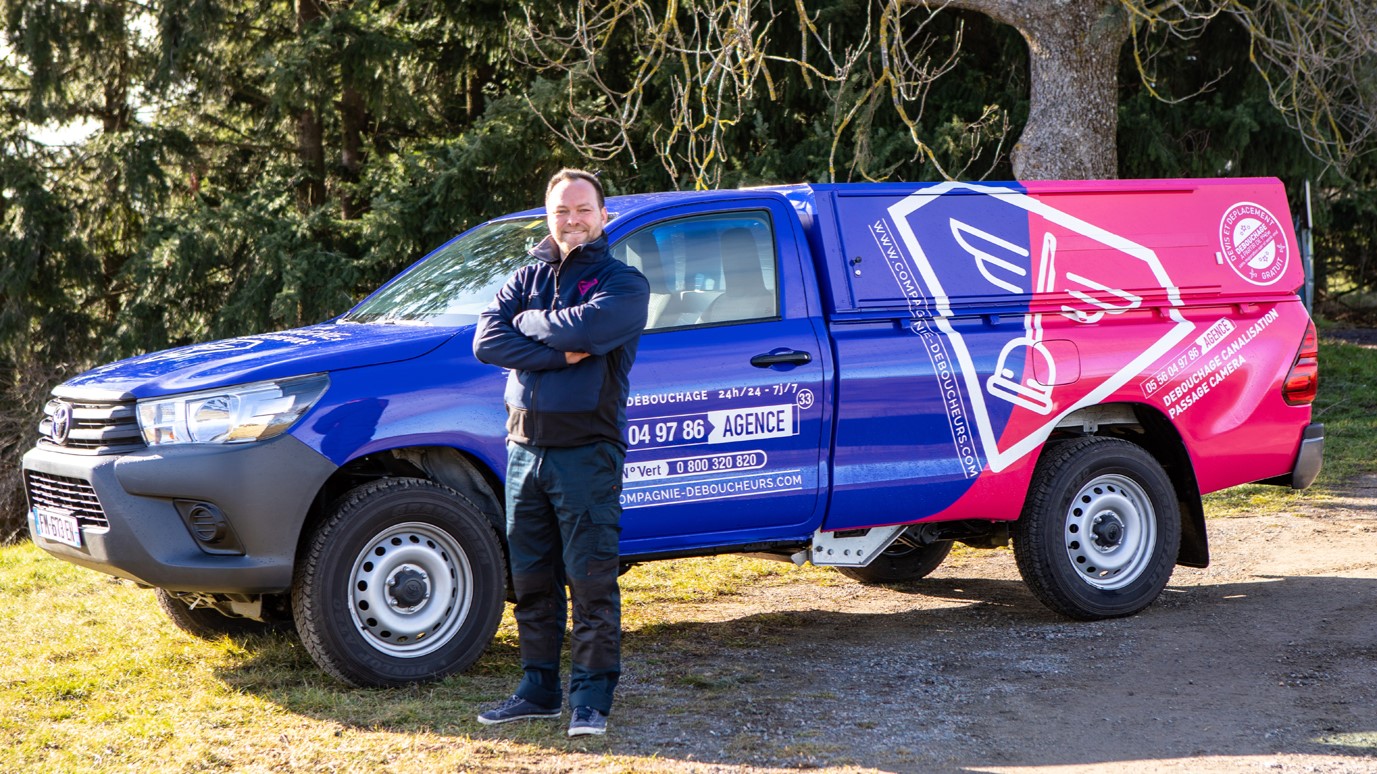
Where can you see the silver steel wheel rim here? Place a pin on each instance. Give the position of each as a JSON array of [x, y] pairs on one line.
[[1110, 532], [411, 590]]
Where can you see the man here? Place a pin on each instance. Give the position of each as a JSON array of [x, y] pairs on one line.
[[567, 327]]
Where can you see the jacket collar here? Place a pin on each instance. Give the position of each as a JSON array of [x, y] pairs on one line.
[[548, 252]]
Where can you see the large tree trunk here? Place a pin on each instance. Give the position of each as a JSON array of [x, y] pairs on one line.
[[1073, 50], [310, 139], [117, 118], [353, 115]]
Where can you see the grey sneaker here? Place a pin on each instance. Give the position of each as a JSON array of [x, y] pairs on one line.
[[516, 708], [587, 721]]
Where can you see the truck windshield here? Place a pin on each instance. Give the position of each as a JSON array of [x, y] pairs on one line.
[[455, 283]]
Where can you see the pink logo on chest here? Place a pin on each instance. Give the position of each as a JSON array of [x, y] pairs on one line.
[[586, 285]]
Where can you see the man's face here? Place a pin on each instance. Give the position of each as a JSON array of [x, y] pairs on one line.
[[573, 214]]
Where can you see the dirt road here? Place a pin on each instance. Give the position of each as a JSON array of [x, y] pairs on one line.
[[1266, 661]]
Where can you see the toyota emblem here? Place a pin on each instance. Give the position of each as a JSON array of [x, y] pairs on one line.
[[62, 422]]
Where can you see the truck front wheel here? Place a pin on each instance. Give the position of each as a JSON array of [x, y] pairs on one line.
[[1099, 533], [404, 582]]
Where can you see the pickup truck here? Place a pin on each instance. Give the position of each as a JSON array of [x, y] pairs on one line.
[[855, 375]]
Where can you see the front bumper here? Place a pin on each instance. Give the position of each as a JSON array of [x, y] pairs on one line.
[[263, 490]]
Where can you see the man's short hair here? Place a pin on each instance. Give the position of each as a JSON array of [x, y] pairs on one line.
[[569, 173]]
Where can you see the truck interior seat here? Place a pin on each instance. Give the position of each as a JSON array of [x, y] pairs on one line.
[[643, 252], [744, 295]]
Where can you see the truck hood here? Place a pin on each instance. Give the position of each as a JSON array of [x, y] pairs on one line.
[[314, 349]]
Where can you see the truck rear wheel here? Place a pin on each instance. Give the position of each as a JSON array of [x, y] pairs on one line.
[[1100, 531], [902, 561], [404, 582]]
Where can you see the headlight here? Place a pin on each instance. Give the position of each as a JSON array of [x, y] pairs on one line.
[[248, 412]]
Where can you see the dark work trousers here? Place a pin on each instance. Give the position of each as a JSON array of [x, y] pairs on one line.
[[563, 525]]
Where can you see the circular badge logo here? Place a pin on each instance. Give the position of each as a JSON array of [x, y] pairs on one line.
[[1254, 243], [62, 422]]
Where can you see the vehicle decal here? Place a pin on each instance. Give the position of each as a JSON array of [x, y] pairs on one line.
[[986, 249], [698, 469], [1254, 243], [713, 427], [676, 467], [656, 399], [935, 347], [1190, 376], [715, 488]]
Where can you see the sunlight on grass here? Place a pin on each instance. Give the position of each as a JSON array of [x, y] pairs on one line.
[[1358, 741], [1347, 405], [1253, 499], [95, 679]]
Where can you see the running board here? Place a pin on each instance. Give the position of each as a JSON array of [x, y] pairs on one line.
[[849, 547]]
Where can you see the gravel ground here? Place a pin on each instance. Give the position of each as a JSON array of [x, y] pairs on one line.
[[1266, 661]]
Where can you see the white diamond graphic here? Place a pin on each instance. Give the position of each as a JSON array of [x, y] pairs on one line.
[[1002, 272]]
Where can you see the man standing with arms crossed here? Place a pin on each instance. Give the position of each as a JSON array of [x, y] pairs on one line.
[[567, 327]]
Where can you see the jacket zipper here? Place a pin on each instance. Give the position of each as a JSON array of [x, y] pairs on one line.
[[535, 388]]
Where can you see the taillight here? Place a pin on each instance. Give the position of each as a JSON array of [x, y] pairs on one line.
[[1304, 377]]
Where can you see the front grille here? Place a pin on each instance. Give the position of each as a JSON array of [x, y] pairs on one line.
[[65, 494], [86, 427]]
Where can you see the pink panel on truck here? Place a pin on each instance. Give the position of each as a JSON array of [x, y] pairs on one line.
[[1026, 305], [1229, 248]]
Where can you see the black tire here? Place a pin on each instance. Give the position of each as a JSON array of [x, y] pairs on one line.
[[901, 562], [403, 582], [209, 623], [1100, 530]]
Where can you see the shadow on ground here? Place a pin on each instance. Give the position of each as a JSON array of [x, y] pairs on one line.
[[976, 675]]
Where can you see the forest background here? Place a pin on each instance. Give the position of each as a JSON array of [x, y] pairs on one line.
[[226, 167]]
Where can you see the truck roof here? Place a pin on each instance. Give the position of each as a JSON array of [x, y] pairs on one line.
[[804, 196]]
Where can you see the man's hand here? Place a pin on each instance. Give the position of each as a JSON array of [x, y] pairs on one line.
[[571, 358]]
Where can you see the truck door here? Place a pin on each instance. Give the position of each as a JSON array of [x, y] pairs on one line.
[[726, 414]]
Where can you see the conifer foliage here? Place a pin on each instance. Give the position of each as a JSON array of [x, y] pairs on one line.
[[234, 166]]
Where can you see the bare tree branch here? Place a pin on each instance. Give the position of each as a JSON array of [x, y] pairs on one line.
[[1319, 60], [713, 65], [709, 61]]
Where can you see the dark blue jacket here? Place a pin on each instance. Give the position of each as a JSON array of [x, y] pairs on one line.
[[589, 302]]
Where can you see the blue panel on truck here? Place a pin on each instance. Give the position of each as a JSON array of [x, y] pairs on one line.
[[923, 269]]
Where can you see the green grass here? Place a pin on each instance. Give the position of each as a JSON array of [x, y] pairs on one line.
[[1347, 405], [93, 678]]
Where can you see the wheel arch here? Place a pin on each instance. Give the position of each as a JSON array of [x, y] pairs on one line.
[[1150, 429], [453, 467]]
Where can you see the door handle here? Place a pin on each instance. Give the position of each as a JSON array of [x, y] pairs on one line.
[[786, 357]]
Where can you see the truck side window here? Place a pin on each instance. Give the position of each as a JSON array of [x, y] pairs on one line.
[[706, 270]]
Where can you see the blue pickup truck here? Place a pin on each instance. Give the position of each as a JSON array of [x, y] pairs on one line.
[[852, 375]]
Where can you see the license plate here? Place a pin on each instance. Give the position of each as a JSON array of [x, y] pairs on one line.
[[57, 526]]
